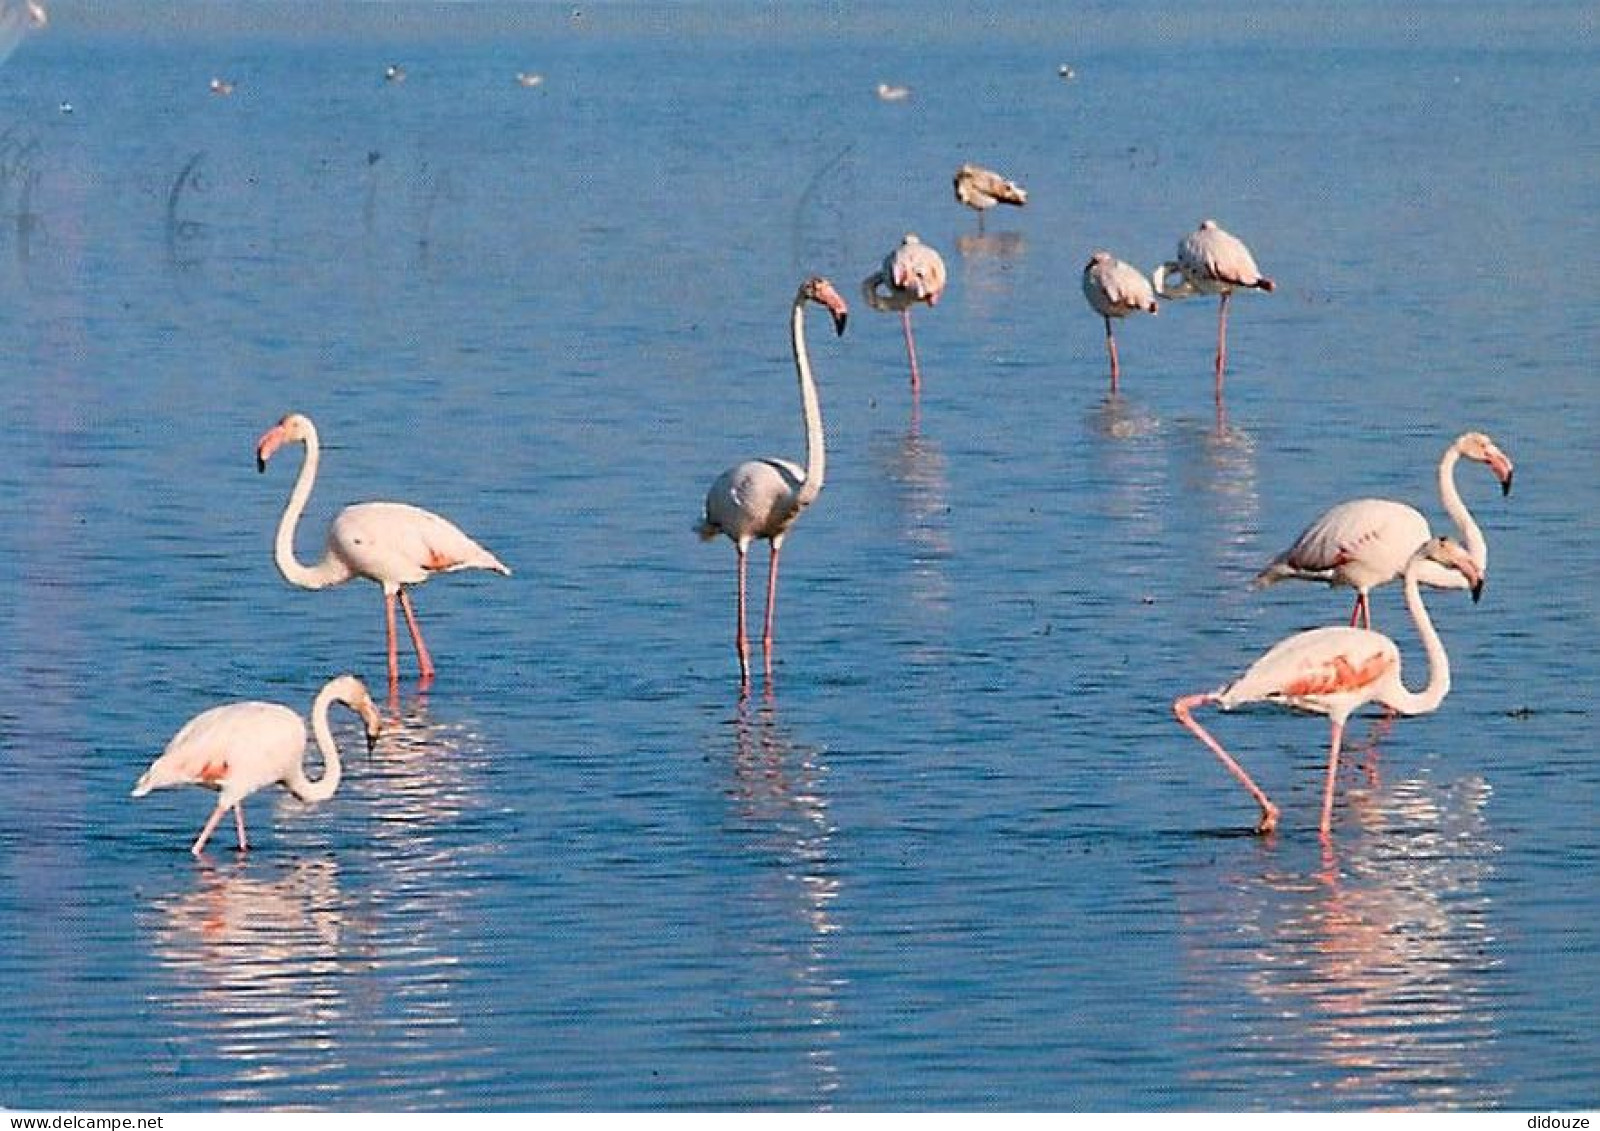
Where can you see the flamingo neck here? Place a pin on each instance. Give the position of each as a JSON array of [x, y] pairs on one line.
[[329, 571], [332, 770], [1402, 699], [1471, 537], [810, 409]]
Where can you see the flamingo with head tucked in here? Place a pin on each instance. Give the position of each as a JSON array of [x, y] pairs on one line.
[[395, 544], [1115, 290], [981, 189], [762, 498], [1211, 262], [1333, 671], [1365, 543], [239, 748], [911, 273]]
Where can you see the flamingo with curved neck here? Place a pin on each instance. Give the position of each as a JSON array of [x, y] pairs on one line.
[[1365, 543], [1333, 671], [395, 544], [239, 748], [762, 498]]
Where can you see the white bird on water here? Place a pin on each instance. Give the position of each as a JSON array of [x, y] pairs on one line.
[[1365, 543], [1333, 671], [762, 498], [1115, 290], [239, 748], [891, 93], [981, 189], [911, 273], [1211, 262]]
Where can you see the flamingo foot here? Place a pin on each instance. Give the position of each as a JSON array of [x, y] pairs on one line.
[[1269, 820]]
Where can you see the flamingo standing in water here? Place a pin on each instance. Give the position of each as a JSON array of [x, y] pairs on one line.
[[240, 748], [981, 189], [1364, 543], [762, 498], [1115, 290], [394, 544], [1212, 262], [1333, 671], [911, 273]]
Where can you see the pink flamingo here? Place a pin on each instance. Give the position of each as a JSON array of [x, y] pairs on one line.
[[1333, 671], [1364, 543], [1115, 290], [911, 273], [762, 498], [240, 748], [1212, 262], [981, 189], [394, 544]]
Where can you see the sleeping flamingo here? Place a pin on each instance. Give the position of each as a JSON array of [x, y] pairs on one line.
[[240, 748], [1333, 671], [911, 273], [1115, 290], [394, 544], [981, 189], [1364, 543], [762, 498], [1212, 262]]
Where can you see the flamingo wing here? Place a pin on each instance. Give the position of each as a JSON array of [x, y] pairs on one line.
[[397, 543], [1213, 255], [238, 747], [1361, 542], [1315, 669]]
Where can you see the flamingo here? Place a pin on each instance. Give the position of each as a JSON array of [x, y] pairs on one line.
[[762, 498], [1335, 670], [394, 544], [1115, 289], [911, 273], [239, 748], [1213, 262], [1364, 543], [981, 189]]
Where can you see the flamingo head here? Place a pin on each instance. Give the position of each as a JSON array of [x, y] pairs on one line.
[[1475, 445], [1098, 259], [353, 693], [818, 290], [1452, 555], [292, 429]]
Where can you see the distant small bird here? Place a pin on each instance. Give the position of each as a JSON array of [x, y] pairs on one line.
[[1066, 72], [394, 72], [529, 78], [911, 273], [1333, 671], [239, 748], [981, 189], [1115, 290], [888, 93], [221, 86], [1212, 262]]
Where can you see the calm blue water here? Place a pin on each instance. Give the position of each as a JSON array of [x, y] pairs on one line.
[[958, 854]]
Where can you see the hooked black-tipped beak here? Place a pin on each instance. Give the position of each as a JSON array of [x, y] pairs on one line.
[[372, 741], [1477, 590], [1505, 484], [839, 319], [261, 463]]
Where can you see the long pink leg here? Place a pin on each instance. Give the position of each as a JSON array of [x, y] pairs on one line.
[[741, 641], [208, 829], [394, 652], [911, 349], [1181, 708], [772, 604], [1222, 340], [424, 661], [238, 823], [1111, 347], [1333, 777]]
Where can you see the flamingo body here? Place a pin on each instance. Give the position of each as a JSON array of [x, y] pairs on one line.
[[1116, 289], [1366, 543], [1214, 262], [981, 189], [911, 273], [1333, 671], [240, 748]]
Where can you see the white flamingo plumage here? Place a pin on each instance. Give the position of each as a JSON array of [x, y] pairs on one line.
[[1211, 262], [911, 273], [393, 544], [1333, 671], [981, 189], [239, 748], [1115, 290], [762, 498], [1365, 543]]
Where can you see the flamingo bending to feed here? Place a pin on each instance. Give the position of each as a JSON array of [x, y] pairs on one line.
[[394, 544], [762, 498], [240, 748], [1333, 671], [911, 273], [1364, 543], [981, 189], [1212, 262], [1115, 290]]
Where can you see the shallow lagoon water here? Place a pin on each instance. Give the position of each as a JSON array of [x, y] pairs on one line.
[[957, 854]]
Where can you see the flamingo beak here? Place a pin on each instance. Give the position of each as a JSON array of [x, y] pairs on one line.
[[269, 443], [1477, 590], [840, 317], [1505, 483]]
